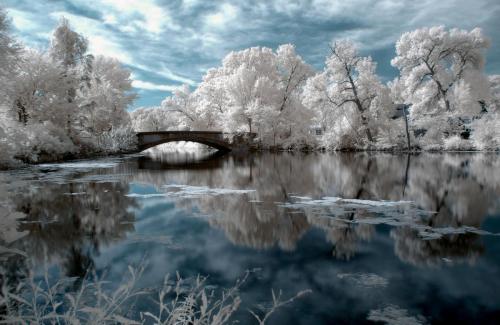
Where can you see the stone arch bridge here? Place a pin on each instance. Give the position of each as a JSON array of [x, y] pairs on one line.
[[215, 139]]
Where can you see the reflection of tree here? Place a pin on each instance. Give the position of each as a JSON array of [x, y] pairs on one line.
[[447, 185], [343, 234], [72, 221], [453, 186], [412, 249]]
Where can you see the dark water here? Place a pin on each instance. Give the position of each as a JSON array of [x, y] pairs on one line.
[[388, 237]]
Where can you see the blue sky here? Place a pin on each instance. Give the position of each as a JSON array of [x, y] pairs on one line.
[[170, 42]]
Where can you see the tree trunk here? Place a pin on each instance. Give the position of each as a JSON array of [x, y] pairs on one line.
[[364, 121], [406, 128], [360, 108], [405, 182], [21, 112]]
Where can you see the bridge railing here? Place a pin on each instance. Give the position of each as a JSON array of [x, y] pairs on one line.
[[230, 137]]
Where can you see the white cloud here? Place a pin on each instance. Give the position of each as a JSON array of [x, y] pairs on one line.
[[167, 73], [101, 45], [189, 4], [110, 19], [154, 17], [226, 14], [22, 20], [140, 84], [388, 19]]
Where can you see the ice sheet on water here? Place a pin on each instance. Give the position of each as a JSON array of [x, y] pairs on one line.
[[300, 197], [189, 191], [75, 171], [304, 201], [81, 164], [429, 233], [373, 212], [395, 315], [369, 280]]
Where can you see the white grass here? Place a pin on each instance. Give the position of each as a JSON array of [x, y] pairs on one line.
[[96, 301]]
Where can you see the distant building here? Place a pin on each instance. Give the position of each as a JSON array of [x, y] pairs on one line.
[[398, 110], [316, 130]]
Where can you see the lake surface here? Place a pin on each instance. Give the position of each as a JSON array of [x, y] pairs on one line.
[[375, 236]]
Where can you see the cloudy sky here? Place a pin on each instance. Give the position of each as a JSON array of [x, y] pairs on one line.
[[170, 42]]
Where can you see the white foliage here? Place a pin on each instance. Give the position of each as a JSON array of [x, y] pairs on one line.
[[120, 139], [441, 71], [486, 132], [106, 96], [348, 98], [456, 143], [61, 103]]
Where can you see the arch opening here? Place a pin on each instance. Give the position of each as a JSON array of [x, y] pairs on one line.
[[214, 140]]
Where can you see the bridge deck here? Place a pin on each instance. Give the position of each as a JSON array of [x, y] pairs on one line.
[[216, 139], [181, 132]]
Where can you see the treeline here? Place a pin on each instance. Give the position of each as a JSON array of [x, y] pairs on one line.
[[63, 102], [442, 99]]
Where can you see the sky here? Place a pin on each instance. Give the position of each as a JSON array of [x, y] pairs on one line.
[[167, 43]]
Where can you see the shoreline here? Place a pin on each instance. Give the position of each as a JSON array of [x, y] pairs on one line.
[[21, 164]]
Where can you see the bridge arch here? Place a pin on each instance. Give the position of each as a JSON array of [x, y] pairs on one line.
[[213, 139]]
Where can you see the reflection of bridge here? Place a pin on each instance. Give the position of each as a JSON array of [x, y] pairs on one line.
[[218, 140], [162, 162]]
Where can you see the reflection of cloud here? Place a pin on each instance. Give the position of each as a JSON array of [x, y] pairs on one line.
[[161, 240], [9, 218], [9, 221]]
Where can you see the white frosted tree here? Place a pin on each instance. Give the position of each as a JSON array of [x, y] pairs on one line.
[[145, 119], [293, 73], [247, 71], [213, 97], [67, 46], [10, 52], [348, 88], [40, 92], [61, 101], [105, 98], [258, 90], [486, 129], [182, 106], [432, 63], [494, 81]]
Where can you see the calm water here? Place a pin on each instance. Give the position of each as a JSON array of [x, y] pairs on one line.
[[374, 236]]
